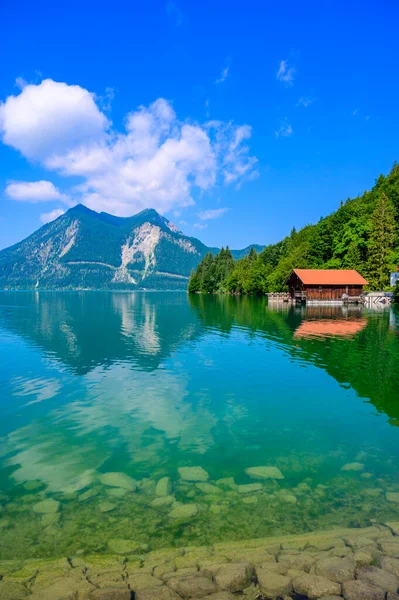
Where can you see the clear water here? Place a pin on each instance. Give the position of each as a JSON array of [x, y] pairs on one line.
[[143, 384]]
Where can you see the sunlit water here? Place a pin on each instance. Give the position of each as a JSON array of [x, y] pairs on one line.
[[144, 384]]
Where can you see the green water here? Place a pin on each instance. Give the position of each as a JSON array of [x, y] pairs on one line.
[[143, 384]]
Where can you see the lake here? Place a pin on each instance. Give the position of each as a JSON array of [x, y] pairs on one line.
[[105, 394]]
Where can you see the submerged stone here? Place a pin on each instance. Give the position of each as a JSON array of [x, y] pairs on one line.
[[118, 480], [47, 507], [287, 497], [264, 473], [165, 501], [249, 488], [116, 492], [106, 507], [123, 547], [193, 474], [392, 497], [88, 495], [184, 511], [250, 500], [355, 466], [163, 487], [30, 486], [50, 519], [208, 488]]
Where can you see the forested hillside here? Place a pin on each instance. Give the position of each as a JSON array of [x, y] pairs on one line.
[[363, 234]]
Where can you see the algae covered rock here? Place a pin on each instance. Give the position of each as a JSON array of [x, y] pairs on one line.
[[273, 585], [380, 578], [392, 497], [106, 507], [315, 586], [123, 547], [336, 569], [111, 594], [47, 507], [233, 577], [118, 480], [163, 487], [249, 488], [184, 511], [12, 591], [355, 466], [50, 519], [361, 590], [208, 488], [156, 593], [264, 473], [192, 586], [163, 501], [193, 474]]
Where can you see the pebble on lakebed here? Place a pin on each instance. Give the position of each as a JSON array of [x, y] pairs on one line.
[[47, 507], [355, 466], [264, 473], [118, 480], [193, 474]]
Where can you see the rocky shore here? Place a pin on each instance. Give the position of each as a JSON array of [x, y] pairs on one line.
[[355, 564]]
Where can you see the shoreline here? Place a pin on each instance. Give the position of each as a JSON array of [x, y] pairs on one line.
[[353, 563]]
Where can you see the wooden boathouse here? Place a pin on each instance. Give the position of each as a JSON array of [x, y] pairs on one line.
[[325, 285]]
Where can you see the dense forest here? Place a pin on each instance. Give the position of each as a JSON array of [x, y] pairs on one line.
[[363, 234]]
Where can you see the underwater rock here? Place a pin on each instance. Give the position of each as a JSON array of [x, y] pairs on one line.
[[234, 577], [379, 578], [47, 507], [156, 593], [124, 547], [106, 507], [33, 485], [392, 497], [193, 474], [164, 501], [336, 569], [273, 585], [116, 492], [250, 500], [50, 519], [111, 594], [264, 473], [249, 488], [88, 495], [227, 482], [286, 496], [163, 487], [192, 586], [118, 480], [208, 488], [184, 511], [389, 564], [361, 590], [355, 466], [215, 509], [314, 586], [12, 591]]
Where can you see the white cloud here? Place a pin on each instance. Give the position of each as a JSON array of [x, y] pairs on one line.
[[305, 101], [200, 226], [52, 215], [354, 112], [212, 213], [50, 118], [183, 223], [285, 72], [285, 130], [159, 161], [34, 191], [223, 75]]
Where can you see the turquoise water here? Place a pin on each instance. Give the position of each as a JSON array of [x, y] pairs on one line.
[[146, 383]]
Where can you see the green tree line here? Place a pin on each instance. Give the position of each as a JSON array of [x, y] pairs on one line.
[[363, 234]]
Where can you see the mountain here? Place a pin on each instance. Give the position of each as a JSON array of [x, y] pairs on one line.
[[84, 249]]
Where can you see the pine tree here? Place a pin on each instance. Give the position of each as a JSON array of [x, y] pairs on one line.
[[382, 241], [194, 283]]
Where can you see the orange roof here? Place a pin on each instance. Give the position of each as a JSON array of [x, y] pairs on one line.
[[330, 277], [329, 328]]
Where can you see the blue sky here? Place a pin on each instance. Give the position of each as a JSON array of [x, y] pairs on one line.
[[235, 119]]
